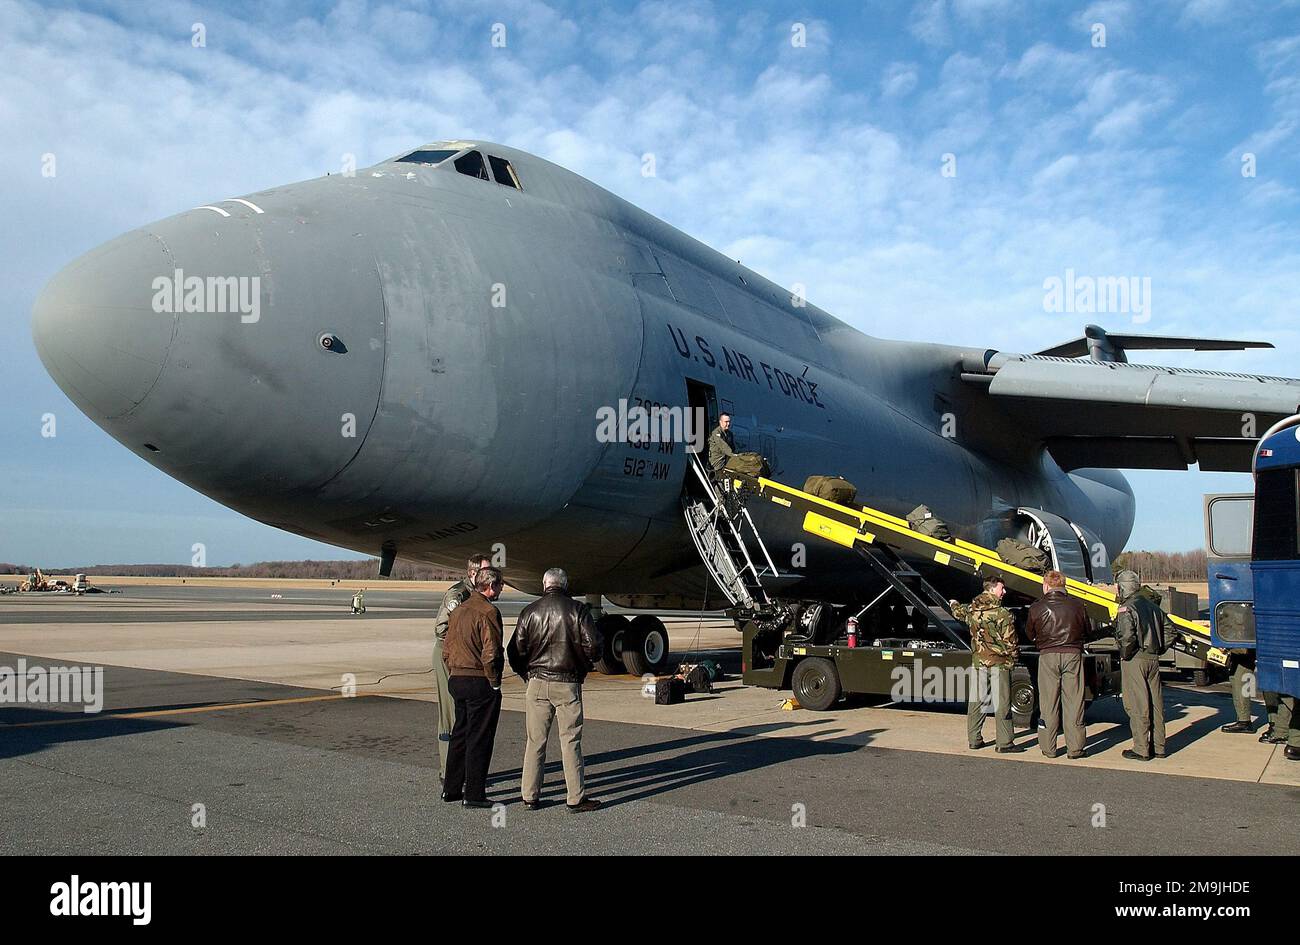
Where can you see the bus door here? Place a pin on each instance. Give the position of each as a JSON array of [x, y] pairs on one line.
[[1229, 522]]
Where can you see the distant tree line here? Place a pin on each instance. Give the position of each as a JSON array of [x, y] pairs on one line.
[[1163, 567], [1153, 567], [363, 570]]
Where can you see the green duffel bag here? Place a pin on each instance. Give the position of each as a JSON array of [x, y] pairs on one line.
[[922, 520], [1017, 553], [835, 489], [747, 464]]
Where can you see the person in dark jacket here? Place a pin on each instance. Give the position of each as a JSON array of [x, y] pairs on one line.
[[1058, 626], [1141, 629], [555, 645], [455, 596], [474, 657]]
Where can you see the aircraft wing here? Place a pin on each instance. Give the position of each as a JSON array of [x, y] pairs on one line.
[[1138, 416]]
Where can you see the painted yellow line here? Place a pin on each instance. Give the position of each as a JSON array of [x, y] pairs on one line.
[[187, 710]]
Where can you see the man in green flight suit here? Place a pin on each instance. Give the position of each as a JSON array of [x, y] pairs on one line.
[[995, 648], [1141, 630], [455, 596], [1243, 685], [722, 445]]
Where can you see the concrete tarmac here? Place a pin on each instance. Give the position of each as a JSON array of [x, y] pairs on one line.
[[230, 699]]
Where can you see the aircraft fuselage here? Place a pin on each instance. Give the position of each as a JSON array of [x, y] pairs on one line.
[[475, 333]]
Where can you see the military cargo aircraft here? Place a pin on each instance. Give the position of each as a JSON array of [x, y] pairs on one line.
[[416, 360]]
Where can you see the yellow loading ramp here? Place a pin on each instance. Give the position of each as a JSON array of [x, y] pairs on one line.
[[859, 528]]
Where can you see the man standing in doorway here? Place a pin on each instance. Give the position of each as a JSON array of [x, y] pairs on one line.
[[722, 445]]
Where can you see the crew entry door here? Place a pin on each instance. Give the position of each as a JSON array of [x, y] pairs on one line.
[[702, 401]]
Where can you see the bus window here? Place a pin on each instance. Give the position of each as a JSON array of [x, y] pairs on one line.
[[1228, 525], [1277, 515]]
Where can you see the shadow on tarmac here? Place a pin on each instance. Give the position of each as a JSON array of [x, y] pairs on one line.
[[693, 759], [30, 731], [1178, 703]]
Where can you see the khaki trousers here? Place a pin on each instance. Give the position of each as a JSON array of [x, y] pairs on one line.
[[989, 691], [1279, 714], [1060, 701], [1144, 703], [544, 702], [446, 708], [1291, 706]]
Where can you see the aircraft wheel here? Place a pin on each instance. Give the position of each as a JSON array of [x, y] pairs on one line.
[[613, 627], [1024, 698], [816, 683], [645, 646]]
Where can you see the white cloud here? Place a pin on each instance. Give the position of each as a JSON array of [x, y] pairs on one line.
[[1115, 15], [1209, 11], [899, 79], [929, 22]]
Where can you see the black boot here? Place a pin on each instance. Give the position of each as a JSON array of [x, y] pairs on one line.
[[1237, 728]]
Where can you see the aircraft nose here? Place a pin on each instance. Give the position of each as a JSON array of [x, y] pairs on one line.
[[96, 330], [240, 351]]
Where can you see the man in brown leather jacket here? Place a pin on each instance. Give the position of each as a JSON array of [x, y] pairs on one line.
[[455, 596], [554, 647], [474, 657], [1058, 626]]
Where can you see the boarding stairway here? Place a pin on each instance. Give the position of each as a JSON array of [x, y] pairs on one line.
[[718, 522], [886, 543]]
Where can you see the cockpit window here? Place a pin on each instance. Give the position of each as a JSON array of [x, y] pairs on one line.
[[472, 164], [427, 157], [503, 172]]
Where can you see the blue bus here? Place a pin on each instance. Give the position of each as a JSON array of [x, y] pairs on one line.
[[1275, 564]]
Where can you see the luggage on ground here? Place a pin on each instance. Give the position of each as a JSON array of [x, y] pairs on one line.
[[669, 690]]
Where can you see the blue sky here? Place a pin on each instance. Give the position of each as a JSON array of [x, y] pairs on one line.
[[818, 164]]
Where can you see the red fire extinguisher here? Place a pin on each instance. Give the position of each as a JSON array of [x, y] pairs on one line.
[[853, 633]]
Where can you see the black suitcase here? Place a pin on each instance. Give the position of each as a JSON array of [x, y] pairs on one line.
[[669, 691]]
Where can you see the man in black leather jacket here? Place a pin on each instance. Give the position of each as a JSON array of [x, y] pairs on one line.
[[1058, 626], [554, 647]]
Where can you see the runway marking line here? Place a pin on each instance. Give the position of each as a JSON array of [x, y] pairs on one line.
[[187, 710]]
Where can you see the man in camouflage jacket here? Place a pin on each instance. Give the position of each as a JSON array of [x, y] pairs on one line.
[[995, 648]]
